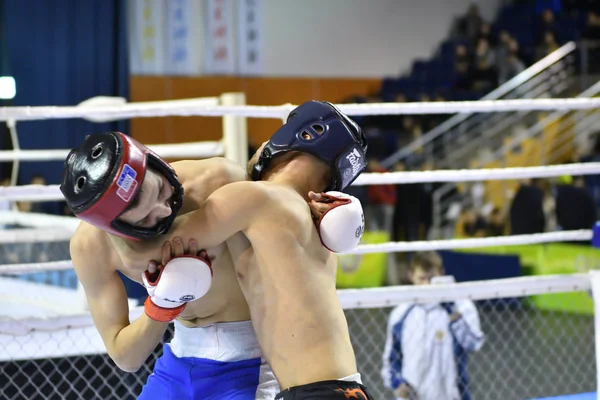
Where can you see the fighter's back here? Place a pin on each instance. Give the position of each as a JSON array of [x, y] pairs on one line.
[[304, 338]]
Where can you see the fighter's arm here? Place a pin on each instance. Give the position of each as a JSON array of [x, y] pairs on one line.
[[128, 344], [225, 212], [211, 174]]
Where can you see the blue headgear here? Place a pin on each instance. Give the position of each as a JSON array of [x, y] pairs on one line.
[[320, 129]]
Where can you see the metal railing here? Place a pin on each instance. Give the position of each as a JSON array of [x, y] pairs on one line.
[[550, 74], [569, 126]]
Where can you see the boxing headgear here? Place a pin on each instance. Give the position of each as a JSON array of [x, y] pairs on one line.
[[320, 129], [102, 176]]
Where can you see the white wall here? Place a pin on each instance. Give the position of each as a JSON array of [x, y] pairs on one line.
[[356, 38]]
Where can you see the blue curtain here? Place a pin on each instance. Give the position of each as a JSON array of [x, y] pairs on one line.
[[62, 52]]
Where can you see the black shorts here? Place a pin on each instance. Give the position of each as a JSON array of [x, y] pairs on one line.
[[326, 390]]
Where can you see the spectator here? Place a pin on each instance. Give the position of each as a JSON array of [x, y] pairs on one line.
[[496, 225], [427, 344], [592, 28], [503, 48], [485, 32], [527, 209], [437, 119], [396, 121], [426, 217], [400, 98], [591, 37], [379, 214], [462, 68], [548, 46], [575, 207], [468, 26], [382, 199], [485, 76], [512, 65], [546, 24], [425, 121], [407, 213], [24, 206], [472, 224], [409, 131]]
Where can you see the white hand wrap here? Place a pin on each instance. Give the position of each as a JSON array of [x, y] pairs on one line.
[[341, 227]]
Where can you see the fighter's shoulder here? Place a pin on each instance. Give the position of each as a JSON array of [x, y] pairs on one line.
[[246, 192], [90, 243], [218, 169]]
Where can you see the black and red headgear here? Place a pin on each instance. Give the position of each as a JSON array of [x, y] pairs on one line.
[[102, 177]]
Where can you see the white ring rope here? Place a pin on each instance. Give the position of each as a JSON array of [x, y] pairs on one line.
[[52, 192], [103, 109], [32, 268], [36, 235], [159, 109], [390, 247], [361, 298], [477, 290], [396, 247], [38, 220], [193, 150], [471, 175]]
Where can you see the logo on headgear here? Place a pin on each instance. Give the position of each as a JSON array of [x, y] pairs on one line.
[[354, 159], [187, 297]]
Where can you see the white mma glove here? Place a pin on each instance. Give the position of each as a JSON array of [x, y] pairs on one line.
[[341, 227], [181, 280]]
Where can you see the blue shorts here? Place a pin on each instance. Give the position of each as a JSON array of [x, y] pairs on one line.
[[220, 361]]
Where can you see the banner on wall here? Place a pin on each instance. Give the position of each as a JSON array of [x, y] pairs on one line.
[[219, 54], [183, 35], [250, 37], [146, 36]]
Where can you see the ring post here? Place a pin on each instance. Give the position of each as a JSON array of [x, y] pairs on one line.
[[235, 130]]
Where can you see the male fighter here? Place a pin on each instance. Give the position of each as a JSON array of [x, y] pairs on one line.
[[128, 197], [286, 274]]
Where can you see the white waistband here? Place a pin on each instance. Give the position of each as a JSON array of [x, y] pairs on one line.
[[223, 341], [352, 378]]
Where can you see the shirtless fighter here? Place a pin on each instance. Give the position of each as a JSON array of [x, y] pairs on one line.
[[286, 274], [128, 197]]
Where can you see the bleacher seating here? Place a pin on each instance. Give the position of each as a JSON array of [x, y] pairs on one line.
[[436, 75]]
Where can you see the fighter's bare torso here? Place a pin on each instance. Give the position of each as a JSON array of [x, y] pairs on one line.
[[225, 301], [288, 279]]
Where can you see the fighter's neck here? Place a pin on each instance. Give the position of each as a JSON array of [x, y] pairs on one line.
[[124, 246], [302, 187], [297, 178]]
